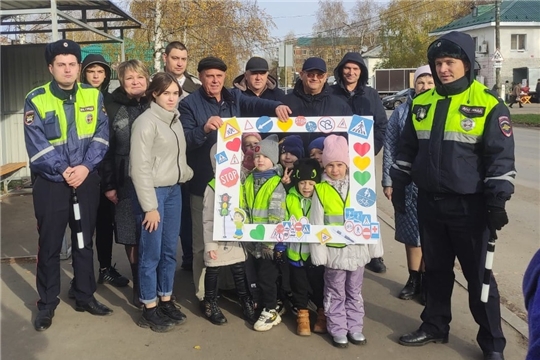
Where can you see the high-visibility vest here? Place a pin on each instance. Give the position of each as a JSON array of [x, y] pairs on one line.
[[297, 251], [258, 204], [86, 112], [459, 128], [334, 206]]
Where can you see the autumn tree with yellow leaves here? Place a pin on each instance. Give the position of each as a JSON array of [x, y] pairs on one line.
[[405, 25], [229, 29]]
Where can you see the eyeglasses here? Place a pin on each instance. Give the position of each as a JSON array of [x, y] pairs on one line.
[[317, 75]]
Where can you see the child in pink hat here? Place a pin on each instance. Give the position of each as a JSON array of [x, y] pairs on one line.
[[344, 264]]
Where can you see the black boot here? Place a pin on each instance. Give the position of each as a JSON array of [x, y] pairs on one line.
[[249, 310], [376, 265], [213, 312], [156, 320], [412, 287], [135, 298]]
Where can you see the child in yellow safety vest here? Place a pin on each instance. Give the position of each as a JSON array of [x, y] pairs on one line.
[[223, 253], [344, 273], [265, 204], [306, 279]]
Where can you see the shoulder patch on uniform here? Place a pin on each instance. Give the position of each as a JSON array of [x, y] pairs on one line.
[[505, 125], [29, 117], [420, 111], [472, 111]]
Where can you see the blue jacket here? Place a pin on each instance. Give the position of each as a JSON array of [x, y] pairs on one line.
[[407, 223], [195, 110], [50, 161], [364, 100], [531, 292]]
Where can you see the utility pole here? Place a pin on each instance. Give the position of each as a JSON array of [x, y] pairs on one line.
[[498, 43]]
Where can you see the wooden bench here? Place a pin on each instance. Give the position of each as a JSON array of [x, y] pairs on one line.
[[7, 172]]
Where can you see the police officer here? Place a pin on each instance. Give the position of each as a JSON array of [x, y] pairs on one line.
[[457, 146], [66, 132]]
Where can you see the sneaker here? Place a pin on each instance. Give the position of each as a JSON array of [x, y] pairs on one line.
[[156, 320], [267, 320], [172, 310], [280, 307], [111, 276]]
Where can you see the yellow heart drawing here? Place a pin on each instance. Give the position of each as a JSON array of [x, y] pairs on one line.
[[361, 162], [285, 126]]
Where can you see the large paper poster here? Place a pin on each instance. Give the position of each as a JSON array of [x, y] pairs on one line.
[[360, 219]]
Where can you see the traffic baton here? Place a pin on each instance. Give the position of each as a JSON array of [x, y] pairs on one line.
[[489, 265], [77, 215]]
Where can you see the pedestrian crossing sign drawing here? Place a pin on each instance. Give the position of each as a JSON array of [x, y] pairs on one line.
[[230, 129], [360, 126], [324, 236]]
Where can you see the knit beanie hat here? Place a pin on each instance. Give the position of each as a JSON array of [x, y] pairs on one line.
[[292, 144], [422, 70], [245, 135], [336, 149], [318, 143], [306, 169], [269, 148]]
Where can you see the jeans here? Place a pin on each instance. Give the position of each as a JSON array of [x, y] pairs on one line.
[[157, 249]]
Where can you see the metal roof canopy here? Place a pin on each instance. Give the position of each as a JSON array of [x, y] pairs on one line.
[[57, 9]]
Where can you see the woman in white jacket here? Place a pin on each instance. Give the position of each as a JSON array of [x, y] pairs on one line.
[[158, 166]]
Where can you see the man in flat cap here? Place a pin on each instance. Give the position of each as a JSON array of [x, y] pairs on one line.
[[201, 114], [67, 134], [458, 148], [257, 82]]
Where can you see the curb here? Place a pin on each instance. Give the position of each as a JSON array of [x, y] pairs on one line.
[[509, 317]]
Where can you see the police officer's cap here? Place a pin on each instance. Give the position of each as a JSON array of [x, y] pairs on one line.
[[62, 47], [211, 62], [445, 48]]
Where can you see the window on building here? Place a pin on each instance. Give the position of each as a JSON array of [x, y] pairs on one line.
[[475, 39], [304, 52], [338, 52], [518, 42]]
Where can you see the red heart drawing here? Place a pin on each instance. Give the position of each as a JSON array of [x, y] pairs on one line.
[[362, 149], [234, 145]]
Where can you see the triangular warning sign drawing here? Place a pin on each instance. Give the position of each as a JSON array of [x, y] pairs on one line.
[[248, 125], [342, 124], [229, 130], [324, 236], [234, 160]]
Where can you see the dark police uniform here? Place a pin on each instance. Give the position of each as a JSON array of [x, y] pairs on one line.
[[457, 146], [64, 129]]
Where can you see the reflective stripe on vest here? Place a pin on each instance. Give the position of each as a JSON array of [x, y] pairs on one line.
[[334, 207], [51, 111], [459, 127], [296, 251], [258, 204]]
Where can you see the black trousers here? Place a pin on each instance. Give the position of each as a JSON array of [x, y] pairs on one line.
[[267, 275], [104, 231], [54, 211], [307, 282], [456, 226], [239, 276], [186, 228]]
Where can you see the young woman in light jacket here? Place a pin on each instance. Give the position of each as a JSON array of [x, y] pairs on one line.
[[158, 166]]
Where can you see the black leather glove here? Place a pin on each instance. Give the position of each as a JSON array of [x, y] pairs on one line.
[[497, 217], [398, 199]]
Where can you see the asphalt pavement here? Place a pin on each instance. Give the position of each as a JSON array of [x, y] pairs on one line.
[[83, 336]]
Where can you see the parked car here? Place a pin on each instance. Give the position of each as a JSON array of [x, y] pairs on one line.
[[392, 101]]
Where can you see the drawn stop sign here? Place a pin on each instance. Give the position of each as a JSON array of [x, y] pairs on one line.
[[298, 226], [228, 177]]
